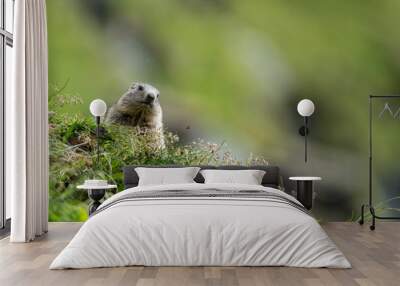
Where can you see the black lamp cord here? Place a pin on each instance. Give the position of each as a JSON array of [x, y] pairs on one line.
[[98, 139], [305, 137]]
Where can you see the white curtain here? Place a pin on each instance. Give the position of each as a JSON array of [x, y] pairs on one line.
[[27, 124]]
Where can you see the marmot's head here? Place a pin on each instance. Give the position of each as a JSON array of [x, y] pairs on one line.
[[139, 96]]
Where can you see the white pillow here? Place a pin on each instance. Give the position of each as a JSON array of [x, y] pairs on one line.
[[248, 177], [166, 176]]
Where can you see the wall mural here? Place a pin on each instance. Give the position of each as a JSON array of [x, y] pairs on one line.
[[140, 107], [218, 82]]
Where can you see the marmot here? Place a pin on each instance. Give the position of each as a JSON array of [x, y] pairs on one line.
[[139, 107]]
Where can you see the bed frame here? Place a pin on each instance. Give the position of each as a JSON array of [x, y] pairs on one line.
[[271, 178]]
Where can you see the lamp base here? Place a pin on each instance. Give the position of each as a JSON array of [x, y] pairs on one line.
[[303, 131]]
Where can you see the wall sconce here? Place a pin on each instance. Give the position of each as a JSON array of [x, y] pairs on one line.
[[305, 108], [98, 108]]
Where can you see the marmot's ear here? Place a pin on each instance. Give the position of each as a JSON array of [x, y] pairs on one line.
[[134, 85]]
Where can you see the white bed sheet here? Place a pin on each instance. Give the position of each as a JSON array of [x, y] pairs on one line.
[[200, 232]]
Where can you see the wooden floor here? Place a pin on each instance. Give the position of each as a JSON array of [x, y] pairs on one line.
[[375, 257]]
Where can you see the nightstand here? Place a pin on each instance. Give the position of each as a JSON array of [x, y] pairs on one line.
[[305, 190], [96, 194]]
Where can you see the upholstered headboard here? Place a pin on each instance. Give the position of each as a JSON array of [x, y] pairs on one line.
[[271, 177]]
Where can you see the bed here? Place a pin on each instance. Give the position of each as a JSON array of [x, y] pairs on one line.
[[201, 224]]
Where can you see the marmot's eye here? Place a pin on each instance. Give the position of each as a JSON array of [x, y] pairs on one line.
[[158, 95], [140, 87]]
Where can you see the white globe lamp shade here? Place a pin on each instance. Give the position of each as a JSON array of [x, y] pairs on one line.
[[98, 107], [305, 107]]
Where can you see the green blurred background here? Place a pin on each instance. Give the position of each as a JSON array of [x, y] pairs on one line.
[[233, 71]]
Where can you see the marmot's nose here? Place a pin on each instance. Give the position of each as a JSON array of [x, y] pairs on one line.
[[150, 97]]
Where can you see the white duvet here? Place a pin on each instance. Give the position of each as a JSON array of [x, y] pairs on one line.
[[200, 231]]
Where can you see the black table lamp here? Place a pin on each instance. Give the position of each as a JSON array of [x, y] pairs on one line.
[[305, 108], [98, 108]]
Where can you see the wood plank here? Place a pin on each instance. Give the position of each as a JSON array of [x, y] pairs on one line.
[[375, 257]]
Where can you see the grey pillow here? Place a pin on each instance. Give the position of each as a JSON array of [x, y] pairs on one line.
[[248, 177], [166, 176]]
